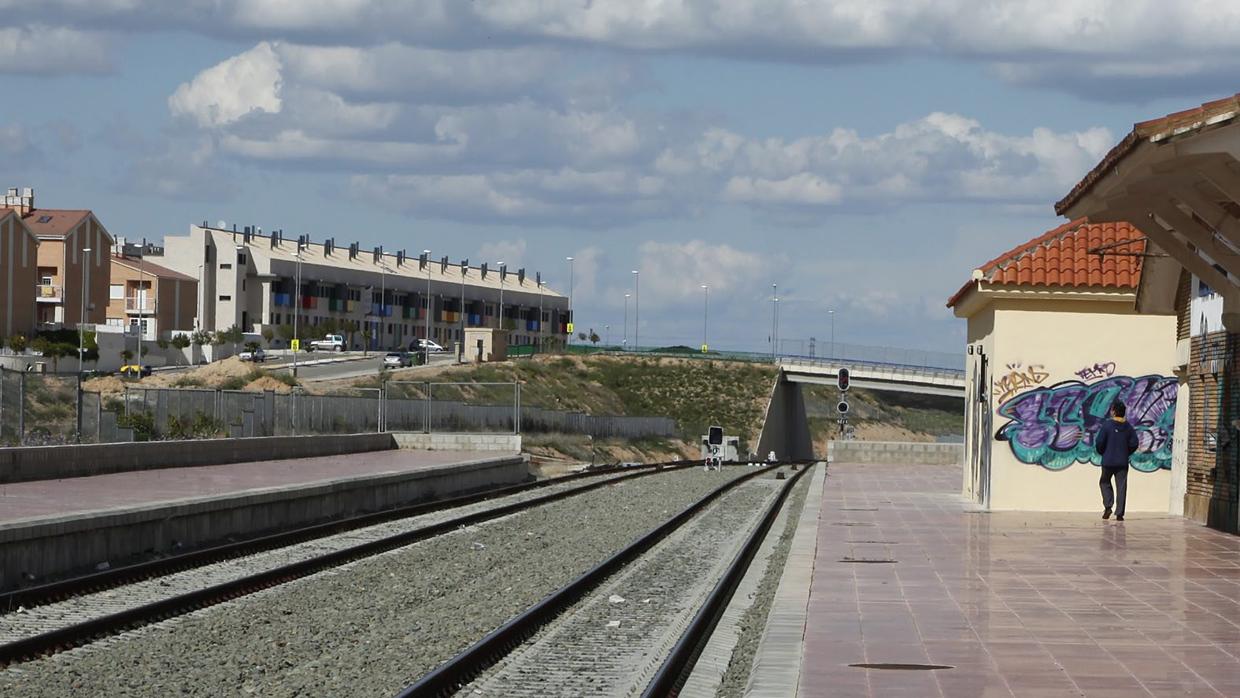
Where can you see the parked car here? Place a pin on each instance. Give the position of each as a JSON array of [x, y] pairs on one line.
[[257, 356], [135, 371], [332, 342], [428, 345], [398, 359]]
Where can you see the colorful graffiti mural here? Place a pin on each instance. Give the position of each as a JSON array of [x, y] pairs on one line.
[[1053, 426], [1102, 370]]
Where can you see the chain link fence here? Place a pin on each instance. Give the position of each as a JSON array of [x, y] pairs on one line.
[[38, 409]]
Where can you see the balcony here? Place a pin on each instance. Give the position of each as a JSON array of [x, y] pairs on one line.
[[139, 305], [49, 293]]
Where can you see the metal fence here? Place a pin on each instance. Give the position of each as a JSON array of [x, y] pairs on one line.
[[37, 409]]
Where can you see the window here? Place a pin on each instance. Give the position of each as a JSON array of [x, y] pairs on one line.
[[225, 298], [240, 258], [243, 284], [116, 292], [225, 266]]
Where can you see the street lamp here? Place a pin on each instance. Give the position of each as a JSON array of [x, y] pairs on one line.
[[832, 314], [637, 310], [606, 335], [705, 313], [626, 321], [774, 320], [82, 319], [500, 266], [383, 271], [426, 344], [296, 308], [570, 296]]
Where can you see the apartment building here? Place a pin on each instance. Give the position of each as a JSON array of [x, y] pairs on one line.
[[18, 250], [149, 299], [257, 281], [72, 265]]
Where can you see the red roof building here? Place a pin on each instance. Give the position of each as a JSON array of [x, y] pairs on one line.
[[1076, 255]]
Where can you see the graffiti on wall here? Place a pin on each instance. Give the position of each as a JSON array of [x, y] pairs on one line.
[[1089, 373], [1019, 378], [1054, 426]]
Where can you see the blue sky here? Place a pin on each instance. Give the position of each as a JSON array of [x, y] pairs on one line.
[[863, 155]]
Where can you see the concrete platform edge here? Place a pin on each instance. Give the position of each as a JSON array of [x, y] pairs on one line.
[[777, 662]]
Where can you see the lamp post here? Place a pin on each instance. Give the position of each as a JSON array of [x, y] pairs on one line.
[[626, 321], [500, 266], [832, 314], [570, 297], [705, 313], [296, 308], [774, 321], [464, 271], [540, 314], [383, 270], [606, 334], [82, 319], [426, 346], [637, 310]]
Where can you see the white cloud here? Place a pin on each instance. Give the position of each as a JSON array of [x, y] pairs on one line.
[[241, 85], [511, 252], [43, 50], [673, 272]]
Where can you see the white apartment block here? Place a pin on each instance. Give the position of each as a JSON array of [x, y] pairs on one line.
[[249, 280]]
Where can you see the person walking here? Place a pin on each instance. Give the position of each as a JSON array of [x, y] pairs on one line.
[[1115, 441]]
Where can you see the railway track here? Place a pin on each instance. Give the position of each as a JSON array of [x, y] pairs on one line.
[[635, 623], [63, 615]]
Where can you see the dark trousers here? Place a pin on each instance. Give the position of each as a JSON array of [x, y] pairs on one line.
[[1109, 497]]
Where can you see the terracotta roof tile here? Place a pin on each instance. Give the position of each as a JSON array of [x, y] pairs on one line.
[[151, 269], [55, 222], [1062, 258]]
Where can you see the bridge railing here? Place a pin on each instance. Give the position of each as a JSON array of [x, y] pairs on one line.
[[893, 369]]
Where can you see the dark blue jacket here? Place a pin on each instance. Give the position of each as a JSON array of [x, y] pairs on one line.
[[1115, 442]]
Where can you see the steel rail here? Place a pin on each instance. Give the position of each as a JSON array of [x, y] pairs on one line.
[[87, 631], [456, 672], [51, 592], [671, 676]]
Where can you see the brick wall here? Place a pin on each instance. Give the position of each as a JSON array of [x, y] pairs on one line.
[[1183, 306], [1213, 443]]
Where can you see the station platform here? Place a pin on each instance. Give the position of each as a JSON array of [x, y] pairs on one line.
[[50, 528], [896, 571]]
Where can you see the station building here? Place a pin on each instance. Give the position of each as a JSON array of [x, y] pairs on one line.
[[1177, 180], [251, 280], [1054, 338]]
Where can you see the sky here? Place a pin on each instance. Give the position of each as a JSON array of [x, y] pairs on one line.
[[862, 155]]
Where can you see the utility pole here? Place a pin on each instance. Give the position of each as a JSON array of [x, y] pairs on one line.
[[296, 309], [570, 300], [626, 321], [705, 314], [774, 328], [426, 347]]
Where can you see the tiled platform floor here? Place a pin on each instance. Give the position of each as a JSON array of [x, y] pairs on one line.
[[1021, 604], [25, 500]]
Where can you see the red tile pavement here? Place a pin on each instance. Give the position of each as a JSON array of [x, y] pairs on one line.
[[25, 500], [1020, 604]]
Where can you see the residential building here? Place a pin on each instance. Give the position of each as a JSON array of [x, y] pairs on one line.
[[148, 299], [1054, 338], [68, 275], [1177, 180], [18, 273], [250, 280]]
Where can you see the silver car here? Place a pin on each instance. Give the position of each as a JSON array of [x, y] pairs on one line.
[[397, 359]]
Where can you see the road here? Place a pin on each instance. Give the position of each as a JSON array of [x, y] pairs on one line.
[[355, 365]]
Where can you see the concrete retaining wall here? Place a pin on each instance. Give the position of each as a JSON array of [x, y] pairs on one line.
[[61, 546], [509, 443], [26, 463], [895, 452]]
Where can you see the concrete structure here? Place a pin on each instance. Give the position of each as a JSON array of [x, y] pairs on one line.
[[875, 376], [148, 298], [63, 267], [18, 274], [785, 427], [507, 443], [56, 528], [896, 574], [24, 464], [1054, 338], [895, 452], [1177, 180], [484, 344], [250, 280]]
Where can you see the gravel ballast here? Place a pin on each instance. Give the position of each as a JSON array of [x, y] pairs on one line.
[[374, 626], [613, 641]]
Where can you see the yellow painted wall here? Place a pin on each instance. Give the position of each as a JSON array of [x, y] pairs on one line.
[[1043, 343]]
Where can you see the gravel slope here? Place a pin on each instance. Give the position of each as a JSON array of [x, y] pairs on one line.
[[374, 626]]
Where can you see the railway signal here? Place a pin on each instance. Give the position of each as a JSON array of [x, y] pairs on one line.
[[842, 380]]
